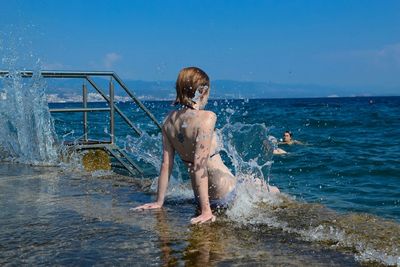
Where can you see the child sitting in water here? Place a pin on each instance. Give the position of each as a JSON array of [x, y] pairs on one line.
[[190, 131]]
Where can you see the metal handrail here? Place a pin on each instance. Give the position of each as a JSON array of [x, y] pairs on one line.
[[79, 109], [137, 101], [61, 74], [126, 119], [87, 76]]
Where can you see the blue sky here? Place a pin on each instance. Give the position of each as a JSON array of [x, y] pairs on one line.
[[333, 43]]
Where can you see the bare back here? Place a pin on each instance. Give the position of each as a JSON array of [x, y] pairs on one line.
[[184, 129]]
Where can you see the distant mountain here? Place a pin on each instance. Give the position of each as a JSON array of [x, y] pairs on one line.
[[66, 90]]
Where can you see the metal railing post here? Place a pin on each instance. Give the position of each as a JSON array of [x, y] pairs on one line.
[[85, 115], [111, 103]]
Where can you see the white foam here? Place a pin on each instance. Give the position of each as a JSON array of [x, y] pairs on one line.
[[250, 192]]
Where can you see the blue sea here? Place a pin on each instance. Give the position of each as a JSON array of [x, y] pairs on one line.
[[340, 201]]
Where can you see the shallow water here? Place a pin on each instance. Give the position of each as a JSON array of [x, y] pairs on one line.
[[54, 217]]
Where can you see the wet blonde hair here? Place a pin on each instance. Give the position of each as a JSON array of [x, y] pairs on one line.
[[188, 82]]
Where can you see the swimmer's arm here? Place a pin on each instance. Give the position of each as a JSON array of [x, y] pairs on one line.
[[165, 173], [200, 175], [279, 151]]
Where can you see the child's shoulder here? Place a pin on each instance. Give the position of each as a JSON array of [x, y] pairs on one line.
[[207, 114]]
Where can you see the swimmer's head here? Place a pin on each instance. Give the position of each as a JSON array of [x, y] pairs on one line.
[[192, 87], [287, 136]]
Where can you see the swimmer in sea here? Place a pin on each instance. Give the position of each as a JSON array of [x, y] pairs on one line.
[[288, 139], [190, 131]]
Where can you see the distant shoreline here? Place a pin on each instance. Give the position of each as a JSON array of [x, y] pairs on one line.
[[69, 90], [232, 99]]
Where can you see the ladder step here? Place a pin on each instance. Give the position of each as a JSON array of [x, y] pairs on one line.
[[125, 156], [117, 164], [123, 159]]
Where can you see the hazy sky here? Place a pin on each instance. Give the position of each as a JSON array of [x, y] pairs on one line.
[[339, 43]]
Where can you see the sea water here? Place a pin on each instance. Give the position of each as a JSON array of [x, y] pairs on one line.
[[339, 204]]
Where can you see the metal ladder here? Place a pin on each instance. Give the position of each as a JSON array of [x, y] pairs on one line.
[[122, 159], [125, 161]]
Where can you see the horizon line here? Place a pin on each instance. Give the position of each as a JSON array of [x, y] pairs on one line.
[[215, 99]]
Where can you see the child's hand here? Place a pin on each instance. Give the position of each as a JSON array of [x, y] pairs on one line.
[[148, 206], [203, 218]]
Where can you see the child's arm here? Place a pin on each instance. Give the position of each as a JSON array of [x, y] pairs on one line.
[[165, 173], [200, 177]]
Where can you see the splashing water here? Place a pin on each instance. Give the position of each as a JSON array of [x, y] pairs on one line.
[[243, 144], [147, 149], [26, 130]]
